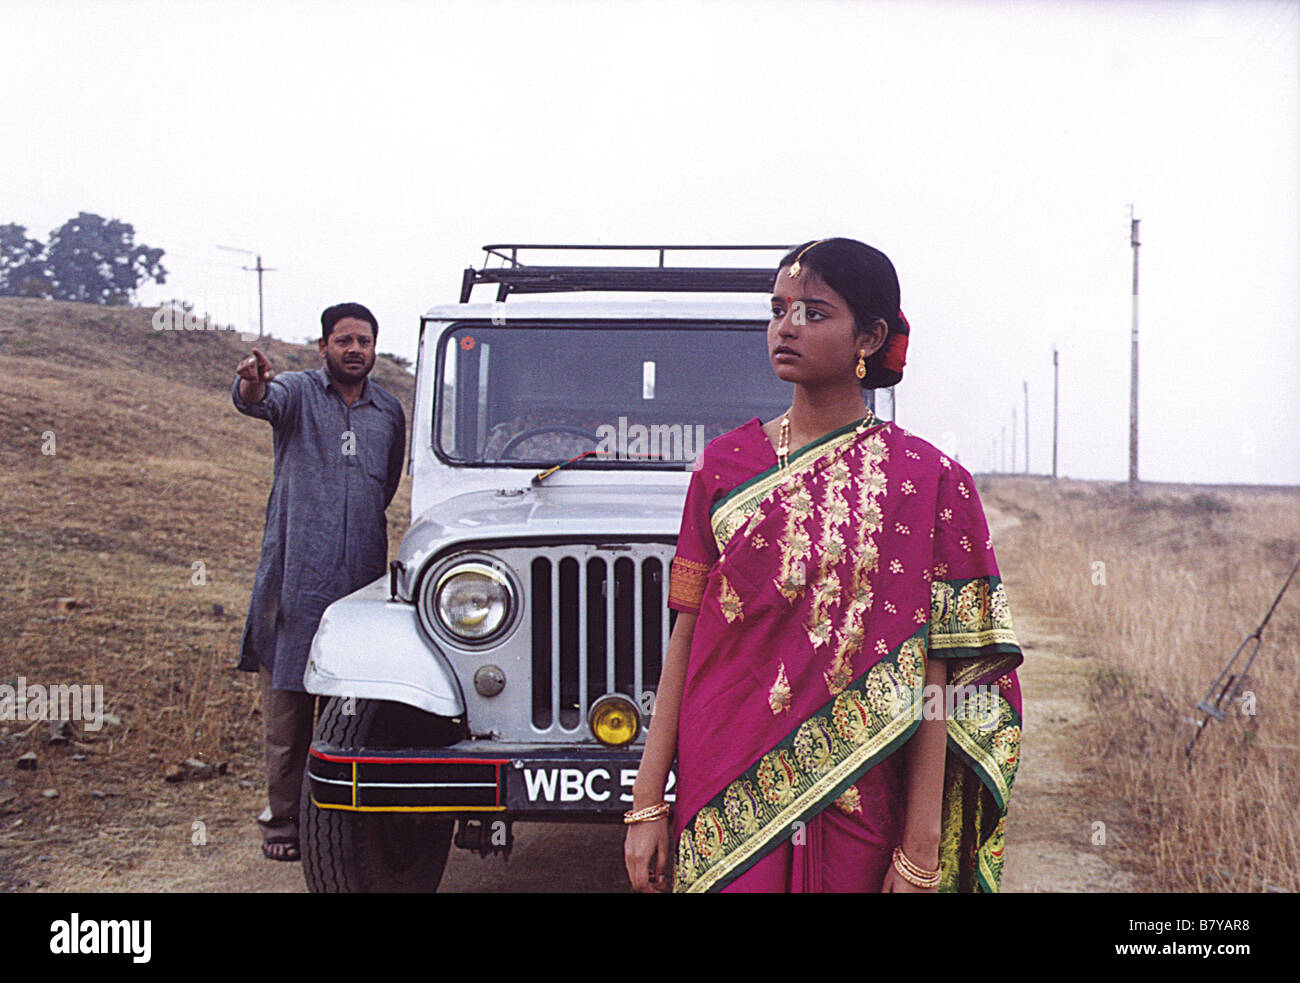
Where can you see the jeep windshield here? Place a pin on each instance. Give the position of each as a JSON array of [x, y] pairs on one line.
[[640, 395]]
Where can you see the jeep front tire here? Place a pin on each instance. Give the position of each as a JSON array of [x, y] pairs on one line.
[[347, 852]]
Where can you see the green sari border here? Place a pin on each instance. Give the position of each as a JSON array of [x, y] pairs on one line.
[[826, 803], [775, 475], [976, 664], [749, 847], [981, 760], [969, 616], [990, 882], [965, 645]]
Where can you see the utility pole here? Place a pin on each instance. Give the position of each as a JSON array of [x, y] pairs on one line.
[[1056, 403], [1026, 384], [1002, 445], [1133, 381], [259, 269], [1013, 440]]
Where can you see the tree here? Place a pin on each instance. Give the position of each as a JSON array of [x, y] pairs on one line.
[[97, 261], [22, 264]]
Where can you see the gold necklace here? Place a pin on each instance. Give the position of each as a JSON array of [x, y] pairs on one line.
[[783, 448]]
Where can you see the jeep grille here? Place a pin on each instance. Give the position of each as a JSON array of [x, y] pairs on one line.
[[600, 624]]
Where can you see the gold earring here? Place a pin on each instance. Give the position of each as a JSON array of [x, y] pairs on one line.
[[862, 363]]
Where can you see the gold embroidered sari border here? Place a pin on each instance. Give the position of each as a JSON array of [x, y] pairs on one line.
[[686, 581], [983, 760], [972, 639], [732, 510], [891, 736], [810, 766], [963, 670]]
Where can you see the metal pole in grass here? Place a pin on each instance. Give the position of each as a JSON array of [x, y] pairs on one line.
[[1026, 385], [1228, 684], [1133, 364], [1056, 403]]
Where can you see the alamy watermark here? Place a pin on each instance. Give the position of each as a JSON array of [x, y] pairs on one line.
[[61, 701], [179, 316], [658, 441], [952, 701]]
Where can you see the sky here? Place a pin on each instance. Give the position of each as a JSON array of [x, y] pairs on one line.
[[992, 150]]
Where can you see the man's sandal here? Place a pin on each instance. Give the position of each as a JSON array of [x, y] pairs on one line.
[[281, 848]]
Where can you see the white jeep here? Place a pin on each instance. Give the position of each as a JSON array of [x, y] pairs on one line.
[[504, 669]]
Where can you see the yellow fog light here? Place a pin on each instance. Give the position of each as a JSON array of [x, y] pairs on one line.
[[614, 720]]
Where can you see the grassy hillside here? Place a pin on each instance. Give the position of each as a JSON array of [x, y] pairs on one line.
[[153, 472]]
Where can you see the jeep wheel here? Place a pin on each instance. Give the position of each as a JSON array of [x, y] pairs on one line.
[[374, 852]]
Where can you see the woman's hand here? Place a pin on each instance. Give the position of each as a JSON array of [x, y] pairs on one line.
[[645, 851]]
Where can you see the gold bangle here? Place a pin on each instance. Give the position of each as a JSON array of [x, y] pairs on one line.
[[913, 869], [648, 814], [911, 865], [913, 874]]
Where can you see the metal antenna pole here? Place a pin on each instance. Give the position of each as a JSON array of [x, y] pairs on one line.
[[1026, 383], [1056, 403], [259, 269], [1013, 440], [1133, 381]]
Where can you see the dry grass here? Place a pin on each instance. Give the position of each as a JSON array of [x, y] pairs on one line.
[[1163, 589], [153, 472]]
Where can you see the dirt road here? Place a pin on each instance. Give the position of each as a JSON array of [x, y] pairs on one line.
[[1051, 816]]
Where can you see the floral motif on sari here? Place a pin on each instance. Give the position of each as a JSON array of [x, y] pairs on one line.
[[729, 601], [850, 802], [778, 697], [866, 554]]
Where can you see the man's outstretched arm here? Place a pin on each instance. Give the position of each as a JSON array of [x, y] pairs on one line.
[[253, 394]]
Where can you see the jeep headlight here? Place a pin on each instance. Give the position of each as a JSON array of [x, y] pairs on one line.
[[470, 600]]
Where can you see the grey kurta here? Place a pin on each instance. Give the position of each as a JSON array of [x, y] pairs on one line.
[[336, 469]]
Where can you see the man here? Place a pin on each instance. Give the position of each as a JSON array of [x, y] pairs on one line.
[[339, 444]]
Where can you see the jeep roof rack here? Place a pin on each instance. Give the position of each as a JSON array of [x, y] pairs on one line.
[[515, 277]]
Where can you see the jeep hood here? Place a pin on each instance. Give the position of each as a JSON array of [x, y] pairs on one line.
[[587, 513]]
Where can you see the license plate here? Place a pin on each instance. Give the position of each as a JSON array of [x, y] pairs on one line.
[[534, 785]]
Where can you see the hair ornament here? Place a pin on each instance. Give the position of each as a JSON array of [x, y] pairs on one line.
[[795, 267], [895, 354]]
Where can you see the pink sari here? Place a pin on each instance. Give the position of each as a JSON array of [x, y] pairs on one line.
[[821, 591]]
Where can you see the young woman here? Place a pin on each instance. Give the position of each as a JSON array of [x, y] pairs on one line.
[[839, 689]]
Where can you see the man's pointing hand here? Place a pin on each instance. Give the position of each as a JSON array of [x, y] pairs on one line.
[[255, 368]]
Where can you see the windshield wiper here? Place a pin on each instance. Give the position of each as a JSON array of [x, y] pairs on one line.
[[541, 476]]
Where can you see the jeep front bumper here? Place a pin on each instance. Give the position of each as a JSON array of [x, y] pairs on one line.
[[561, 783]]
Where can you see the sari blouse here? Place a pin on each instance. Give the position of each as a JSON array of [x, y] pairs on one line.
[[821, 590]]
